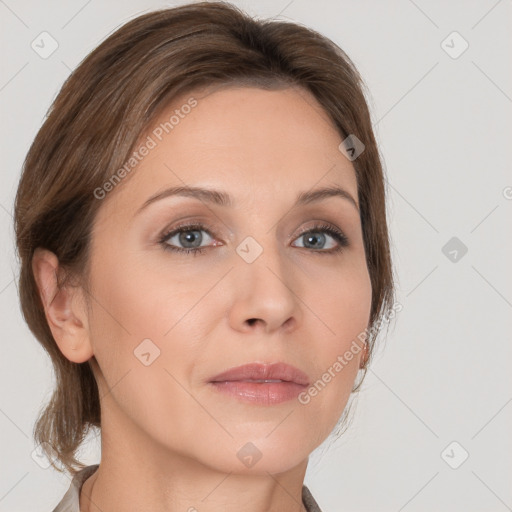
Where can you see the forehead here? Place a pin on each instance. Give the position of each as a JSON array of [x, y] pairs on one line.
[[250, 141]]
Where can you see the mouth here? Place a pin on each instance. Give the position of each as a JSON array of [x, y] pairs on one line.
[[263, 384]]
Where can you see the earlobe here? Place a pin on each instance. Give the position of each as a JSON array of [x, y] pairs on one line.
[[64, 309]]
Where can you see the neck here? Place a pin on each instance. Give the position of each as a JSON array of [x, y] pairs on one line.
[[135, 473]]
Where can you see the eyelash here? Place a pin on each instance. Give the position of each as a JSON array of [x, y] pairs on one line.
[[338, 235]]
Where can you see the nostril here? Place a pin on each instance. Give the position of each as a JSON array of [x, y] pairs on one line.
[[252, 321]]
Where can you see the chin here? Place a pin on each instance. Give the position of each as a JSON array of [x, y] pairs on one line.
[[256, 455]]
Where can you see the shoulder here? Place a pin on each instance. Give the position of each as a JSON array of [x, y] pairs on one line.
[[308, 500], [70, 502]]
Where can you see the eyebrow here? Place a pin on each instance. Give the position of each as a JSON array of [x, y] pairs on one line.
[[221, 198]]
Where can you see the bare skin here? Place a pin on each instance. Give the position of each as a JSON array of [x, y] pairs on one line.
[[170, 441]]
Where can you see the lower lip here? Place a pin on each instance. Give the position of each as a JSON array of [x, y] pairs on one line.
[[265, 393]]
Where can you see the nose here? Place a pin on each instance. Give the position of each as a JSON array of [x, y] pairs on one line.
[[265, 295]]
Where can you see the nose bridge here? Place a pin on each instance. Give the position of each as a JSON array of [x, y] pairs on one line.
[[265, 290]]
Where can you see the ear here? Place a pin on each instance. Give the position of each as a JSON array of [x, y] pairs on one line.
[[64, 307]]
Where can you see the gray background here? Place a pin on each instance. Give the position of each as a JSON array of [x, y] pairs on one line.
[[443, 123]]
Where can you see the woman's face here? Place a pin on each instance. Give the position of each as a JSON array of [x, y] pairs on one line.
[[268, 286]]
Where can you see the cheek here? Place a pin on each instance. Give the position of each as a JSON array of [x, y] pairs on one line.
[[344, 305], [350, 314], [144, 370], [134, 297], [344, 309], [145, 314]]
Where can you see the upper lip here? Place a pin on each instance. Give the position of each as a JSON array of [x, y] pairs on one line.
[[259, 371]]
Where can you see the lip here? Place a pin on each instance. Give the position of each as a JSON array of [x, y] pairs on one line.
[[247, 382], [259, 371]]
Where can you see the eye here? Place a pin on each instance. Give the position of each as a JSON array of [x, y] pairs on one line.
[[190, 237], [315, 238]]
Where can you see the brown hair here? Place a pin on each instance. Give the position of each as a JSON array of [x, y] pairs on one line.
[[95, 122]]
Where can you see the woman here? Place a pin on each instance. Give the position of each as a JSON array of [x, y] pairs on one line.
[[204, 255]]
